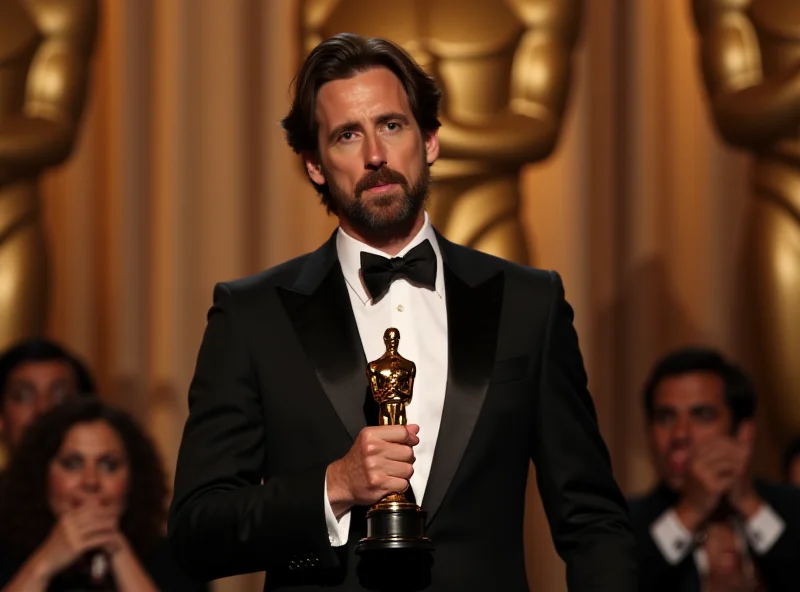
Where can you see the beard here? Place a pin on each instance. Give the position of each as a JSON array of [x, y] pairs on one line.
[[389, 214]]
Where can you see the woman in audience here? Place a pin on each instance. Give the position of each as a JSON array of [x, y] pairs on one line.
[[82, 507]]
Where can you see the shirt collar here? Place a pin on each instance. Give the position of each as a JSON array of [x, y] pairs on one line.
[[349, 252]]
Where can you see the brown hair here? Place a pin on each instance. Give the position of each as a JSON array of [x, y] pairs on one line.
[[343, 56]]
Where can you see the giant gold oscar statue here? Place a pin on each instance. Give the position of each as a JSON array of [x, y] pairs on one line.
[[505, 68], [751, 62], [45, 48]]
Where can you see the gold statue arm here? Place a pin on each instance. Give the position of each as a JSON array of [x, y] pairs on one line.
[[540, 79], [411, 378], [56, 87], [749, 110], [373, 380]]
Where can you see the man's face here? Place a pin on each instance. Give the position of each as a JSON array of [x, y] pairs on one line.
[[32, 389], [689, 410], [372, 155]]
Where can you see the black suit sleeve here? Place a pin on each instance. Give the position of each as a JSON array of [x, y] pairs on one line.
[[166, 574], [778, 566], [585, 508], [223, 520]]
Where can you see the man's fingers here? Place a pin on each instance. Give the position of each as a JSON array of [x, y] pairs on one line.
[[397, 485], [397, 434], [721, 464], [717, 449], [412, 439], [399, 452], [399, 470]]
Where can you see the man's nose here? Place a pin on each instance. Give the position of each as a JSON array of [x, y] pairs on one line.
[[374, 152], [681, 429], [43, 403]]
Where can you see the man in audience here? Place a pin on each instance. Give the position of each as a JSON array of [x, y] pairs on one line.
[[708, 525], [35, 375]]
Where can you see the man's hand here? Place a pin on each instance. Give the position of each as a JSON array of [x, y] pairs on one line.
[[728, 569], [379, 462], [718, 470], [742, 496]]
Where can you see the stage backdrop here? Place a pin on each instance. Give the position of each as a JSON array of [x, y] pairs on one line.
[[182, 179]]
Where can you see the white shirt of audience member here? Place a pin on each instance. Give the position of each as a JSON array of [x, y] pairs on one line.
[[675, 542]]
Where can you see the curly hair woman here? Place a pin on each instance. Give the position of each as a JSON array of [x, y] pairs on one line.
[[82, 507]]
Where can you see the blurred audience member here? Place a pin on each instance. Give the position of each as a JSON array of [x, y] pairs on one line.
[[708, 525], [791, 464], [35, 375], [83, 505]]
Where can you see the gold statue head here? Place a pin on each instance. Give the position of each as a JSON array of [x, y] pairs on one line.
[[391, 337]]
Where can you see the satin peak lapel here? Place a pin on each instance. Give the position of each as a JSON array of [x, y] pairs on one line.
[[473, 317], [320, 310]]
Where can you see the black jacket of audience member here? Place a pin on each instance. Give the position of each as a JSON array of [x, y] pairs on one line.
[[777, 568]]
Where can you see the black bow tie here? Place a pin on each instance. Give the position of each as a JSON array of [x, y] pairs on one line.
[[418, 266]]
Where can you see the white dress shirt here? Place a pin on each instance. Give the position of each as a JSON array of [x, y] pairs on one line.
[[674, 541], [420, 314]]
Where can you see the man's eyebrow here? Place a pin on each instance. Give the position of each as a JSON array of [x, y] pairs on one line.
[[387, 117], [348, 126]]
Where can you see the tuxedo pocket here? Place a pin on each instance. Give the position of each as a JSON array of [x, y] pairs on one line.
[[510, 369]]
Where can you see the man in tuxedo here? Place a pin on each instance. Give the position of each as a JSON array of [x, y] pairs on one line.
[[279, 462], [708, 525]]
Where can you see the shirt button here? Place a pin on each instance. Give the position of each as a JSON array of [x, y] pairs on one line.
[[400, 308]]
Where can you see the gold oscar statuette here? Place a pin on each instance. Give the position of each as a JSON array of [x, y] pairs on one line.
[[394, 522]]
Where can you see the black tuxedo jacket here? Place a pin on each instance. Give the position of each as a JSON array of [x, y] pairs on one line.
[[777, 567], [278, 394]]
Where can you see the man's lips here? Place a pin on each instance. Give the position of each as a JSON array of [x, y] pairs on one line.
[[381, 188], [677, 460]]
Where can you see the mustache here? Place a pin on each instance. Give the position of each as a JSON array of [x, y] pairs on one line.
[[382, 176]]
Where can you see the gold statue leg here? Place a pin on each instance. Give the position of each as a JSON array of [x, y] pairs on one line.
[[480, 214], [23, 264], [393, 414], [773, 283]]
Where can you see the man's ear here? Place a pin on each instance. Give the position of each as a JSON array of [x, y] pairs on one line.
[[314, 168], [432, 147], [746, 431]]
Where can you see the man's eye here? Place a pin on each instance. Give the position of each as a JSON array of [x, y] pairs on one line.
[[21, 395], [61, 394], [346, 136], [393, 126], [663, 417], [706, 415]]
